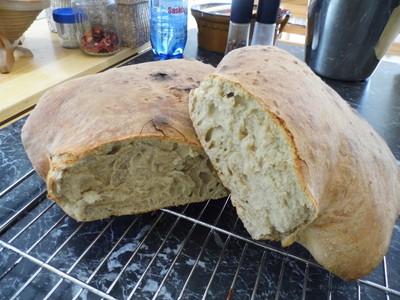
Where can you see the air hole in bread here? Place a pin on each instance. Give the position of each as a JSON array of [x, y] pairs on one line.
[[211, 109], [242, 133], [208, 135], [114, 149], [204, 177]]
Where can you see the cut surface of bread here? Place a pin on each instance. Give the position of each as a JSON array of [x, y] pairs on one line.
[[121, 142], [155, 172], [255, 158], [300, 163]]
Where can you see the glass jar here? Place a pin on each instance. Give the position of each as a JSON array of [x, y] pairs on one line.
[[97, 26], [65, 24]]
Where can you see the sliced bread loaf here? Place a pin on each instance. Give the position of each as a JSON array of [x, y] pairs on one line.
[[301, 165], [121, 142]]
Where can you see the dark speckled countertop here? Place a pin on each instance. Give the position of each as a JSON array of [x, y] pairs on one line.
[[193, 252]]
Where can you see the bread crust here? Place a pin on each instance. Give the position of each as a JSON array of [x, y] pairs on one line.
[[84, 116], [346, 168], [144, 100]]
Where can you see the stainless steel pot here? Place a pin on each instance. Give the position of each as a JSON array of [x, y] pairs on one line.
[[347, 39]]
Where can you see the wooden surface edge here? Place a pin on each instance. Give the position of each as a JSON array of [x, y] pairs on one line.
[[14, 107]]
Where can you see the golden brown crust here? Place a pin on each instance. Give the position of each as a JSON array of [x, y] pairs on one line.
[[121, 142], [344, 164], [144, 100]]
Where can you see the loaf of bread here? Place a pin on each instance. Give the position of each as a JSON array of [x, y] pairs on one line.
[[300, 163], [122, 142]]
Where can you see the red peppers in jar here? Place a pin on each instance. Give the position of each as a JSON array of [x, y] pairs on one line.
[[98, 41], [97, 26]]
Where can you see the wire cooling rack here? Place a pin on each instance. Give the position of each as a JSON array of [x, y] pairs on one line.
[[197, 251]]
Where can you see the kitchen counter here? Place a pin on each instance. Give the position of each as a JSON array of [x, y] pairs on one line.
[[189, 252], [50, 65]]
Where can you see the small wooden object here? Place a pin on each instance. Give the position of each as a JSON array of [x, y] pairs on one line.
[[15, 18]]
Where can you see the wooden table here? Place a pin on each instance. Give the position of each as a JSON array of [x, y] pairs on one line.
[[50, 65]]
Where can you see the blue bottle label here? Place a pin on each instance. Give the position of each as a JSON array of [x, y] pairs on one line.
[[168, 32]]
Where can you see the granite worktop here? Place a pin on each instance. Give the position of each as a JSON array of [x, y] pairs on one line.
[[188, 252]]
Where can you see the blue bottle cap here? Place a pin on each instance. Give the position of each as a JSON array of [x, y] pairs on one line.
[[241, 11], [267, 11], [64, 15]]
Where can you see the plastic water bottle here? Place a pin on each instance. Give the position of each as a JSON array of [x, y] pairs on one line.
[[168, 29]]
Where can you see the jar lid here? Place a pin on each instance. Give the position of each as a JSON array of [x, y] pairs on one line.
[[241, 11], [64, 15], [267, 11]]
